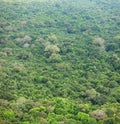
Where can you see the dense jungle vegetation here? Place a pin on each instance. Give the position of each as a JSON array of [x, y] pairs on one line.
[[59, 61]]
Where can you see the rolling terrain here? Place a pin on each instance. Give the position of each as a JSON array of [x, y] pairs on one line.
[[59, 62]]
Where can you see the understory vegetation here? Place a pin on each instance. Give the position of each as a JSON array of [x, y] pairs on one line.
[[59, 61]]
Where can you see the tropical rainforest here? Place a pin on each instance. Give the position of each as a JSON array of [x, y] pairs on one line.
[[59, 61]]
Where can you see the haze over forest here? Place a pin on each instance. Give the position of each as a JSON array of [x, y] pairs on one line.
[[59, 61]]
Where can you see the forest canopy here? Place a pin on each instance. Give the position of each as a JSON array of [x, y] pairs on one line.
[[59, 62]]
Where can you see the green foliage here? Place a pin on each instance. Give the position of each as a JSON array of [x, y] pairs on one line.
[[59, 62], [8, 114]]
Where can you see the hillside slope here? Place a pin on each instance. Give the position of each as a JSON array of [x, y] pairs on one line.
[[59, 62]]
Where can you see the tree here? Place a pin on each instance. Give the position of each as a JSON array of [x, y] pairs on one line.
[[85, 118], [98, 41], [116, 94], [51, 49], [27, 38], [55, 58], [92, 94], [8, 51], [26, 45], [98, 114], [52, 38]]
